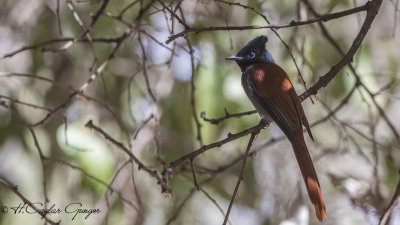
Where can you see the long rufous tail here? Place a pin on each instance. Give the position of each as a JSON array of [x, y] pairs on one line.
[[310, 176]]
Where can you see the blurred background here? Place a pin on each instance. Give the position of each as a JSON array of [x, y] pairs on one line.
[[65, 62]]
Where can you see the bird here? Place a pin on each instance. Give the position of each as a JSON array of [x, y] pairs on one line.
[[271, 92]]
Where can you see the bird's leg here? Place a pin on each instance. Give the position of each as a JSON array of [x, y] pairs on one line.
[[264, 123]]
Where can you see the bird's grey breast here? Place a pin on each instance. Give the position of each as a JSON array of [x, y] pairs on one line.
[[251, 92]]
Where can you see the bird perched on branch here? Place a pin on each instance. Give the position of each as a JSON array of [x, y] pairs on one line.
[[270, 90]]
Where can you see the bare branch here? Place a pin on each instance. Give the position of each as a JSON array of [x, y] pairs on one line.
[[228, 115], [393, 203], [26, 201], [372, 8], [293, 23], [152, 173], [204, 148]]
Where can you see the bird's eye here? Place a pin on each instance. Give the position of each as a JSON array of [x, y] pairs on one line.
[[251, 55]]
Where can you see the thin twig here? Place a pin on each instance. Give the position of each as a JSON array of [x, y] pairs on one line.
[[101, 182], [58, 18], [393, 203], [193, 91], [240, 178], [194, 176], [228, 115], [145, 74]]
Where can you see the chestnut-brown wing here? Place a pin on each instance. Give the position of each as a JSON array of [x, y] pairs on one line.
[[277, 95]]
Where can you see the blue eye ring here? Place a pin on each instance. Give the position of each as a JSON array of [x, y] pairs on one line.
[[251, 55]]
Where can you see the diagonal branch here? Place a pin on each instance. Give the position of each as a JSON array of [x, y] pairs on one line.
[[230, 138], [393, 203], [26, 201], [228, 115], [153, 173], [372, 11]]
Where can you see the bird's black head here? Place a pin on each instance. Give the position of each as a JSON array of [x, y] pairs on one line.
[[252, 53]]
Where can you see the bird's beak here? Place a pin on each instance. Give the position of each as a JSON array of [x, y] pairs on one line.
[[234, 58]]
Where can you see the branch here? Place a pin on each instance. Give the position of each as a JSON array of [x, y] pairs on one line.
[[324, 80], [395, 201], [240, 178], [230, 138], [293, 23], [87, 30], [153, 173], [372, 10], [145, 74], [52, 41], [92, 77], [101, 182], [14, 100], [42, 157], [26, 201], [193, 90], [216, 121]]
